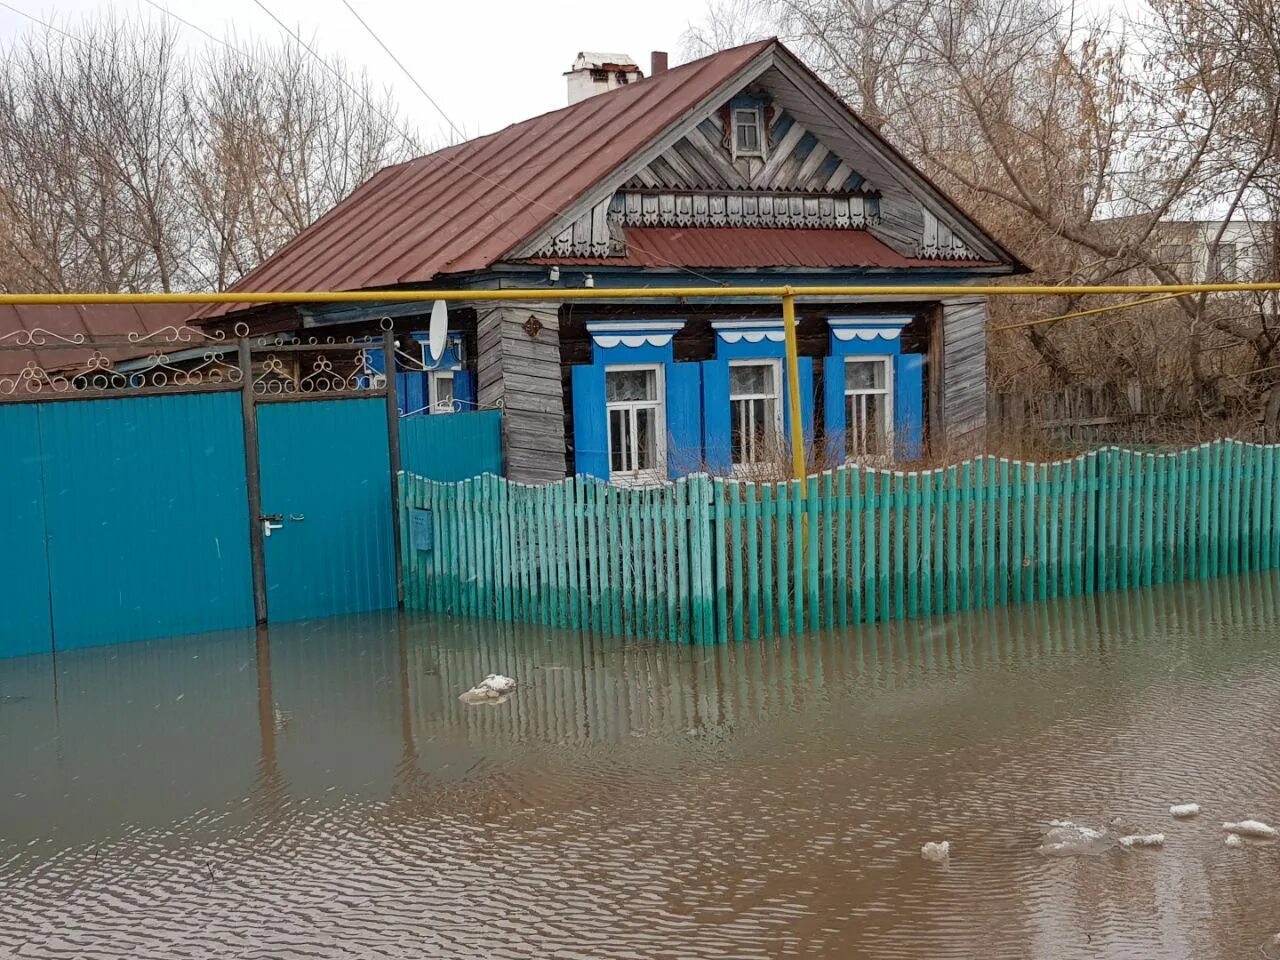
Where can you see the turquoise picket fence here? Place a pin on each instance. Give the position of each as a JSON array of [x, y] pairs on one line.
[[706, 559]]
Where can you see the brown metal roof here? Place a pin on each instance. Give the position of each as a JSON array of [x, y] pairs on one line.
[[60, 326], [464, 207], [730, 247]]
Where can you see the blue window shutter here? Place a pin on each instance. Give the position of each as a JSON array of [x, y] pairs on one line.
[[908, 405], [833, 424], [411, 390], [464, 389], [590, 428], [684, 418], [717, 437]]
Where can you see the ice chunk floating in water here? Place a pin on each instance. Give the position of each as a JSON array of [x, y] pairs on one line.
[[1181, 810], [1251, 828], [1234, 840], [492, 689], [937, 852], [1066, 839], [1142, 840]]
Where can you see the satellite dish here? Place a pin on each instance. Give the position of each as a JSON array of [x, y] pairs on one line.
[[439, 329]]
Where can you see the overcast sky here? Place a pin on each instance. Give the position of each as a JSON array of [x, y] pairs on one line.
[[486, 62]]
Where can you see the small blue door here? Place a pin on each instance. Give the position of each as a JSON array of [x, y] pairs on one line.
[[326, 494]]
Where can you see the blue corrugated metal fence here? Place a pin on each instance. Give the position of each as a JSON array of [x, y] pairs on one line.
[[131, 520], [128, 518], [453, 446]]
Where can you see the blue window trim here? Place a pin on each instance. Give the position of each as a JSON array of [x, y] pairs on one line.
[[874, 336], [640, 342]]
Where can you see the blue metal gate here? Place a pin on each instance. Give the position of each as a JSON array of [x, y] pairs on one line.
[[326, 501], [24, 592], [131, 521]]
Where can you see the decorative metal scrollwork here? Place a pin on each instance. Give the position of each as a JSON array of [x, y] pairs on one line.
[[38, 337], [353, 372], [177, 334], [99, 373]]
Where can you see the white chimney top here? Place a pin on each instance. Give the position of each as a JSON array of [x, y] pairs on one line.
[[595, 72]]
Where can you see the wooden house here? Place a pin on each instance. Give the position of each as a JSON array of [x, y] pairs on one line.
[[740, 168]]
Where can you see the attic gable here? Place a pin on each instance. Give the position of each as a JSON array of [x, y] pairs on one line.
[[819, 168]]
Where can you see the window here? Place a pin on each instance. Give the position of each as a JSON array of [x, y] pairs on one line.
[[1224, 266], [599, 76], [622, 78], [1174, 255], [440, 392], [754, 412], [636, 429], [868, 406], [748, 138]]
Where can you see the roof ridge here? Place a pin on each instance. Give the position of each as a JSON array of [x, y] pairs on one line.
[[615, 92]]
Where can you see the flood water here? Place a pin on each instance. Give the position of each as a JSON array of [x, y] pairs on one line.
[[321, 792]]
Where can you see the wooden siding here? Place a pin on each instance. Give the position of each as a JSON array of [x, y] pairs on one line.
[[964, 370], [902, 190], [797, 160], [696, 181], [813, 176], [522, 374]]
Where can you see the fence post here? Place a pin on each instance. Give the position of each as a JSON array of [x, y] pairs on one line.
[[393, 450], [253, 481]]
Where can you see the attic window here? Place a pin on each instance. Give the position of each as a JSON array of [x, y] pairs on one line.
[[599, 76], [622, 77], [748, 138]]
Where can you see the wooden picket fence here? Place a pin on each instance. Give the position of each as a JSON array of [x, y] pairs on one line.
[[705, 559]]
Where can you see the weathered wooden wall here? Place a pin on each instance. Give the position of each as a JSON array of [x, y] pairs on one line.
[[522, 373], [962, 390]]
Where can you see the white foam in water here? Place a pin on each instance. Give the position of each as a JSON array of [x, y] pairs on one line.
[[1184, 810], [937, 852], [1251, 828], [1142, 840], [1234, 840]]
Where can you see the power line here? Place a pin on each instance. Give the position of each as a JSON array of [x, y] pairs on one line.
[[408, 138], [501, 186], [403, 69], [45, 24]]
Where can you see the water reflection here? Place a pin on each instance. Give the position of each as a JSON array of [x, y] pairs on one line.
[[320, 788]]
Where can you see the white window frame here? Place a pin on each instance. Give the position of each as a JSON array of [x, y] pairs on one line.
[[887, 392], [776, 366], [433, 391], [761, 137], [659, 472]]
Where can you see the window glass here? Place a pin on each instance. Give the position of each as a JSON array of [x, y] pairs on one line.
[[1223, 265], [753, 411], [747, 124], [630, 385], [756, 378], [864, 375], [635, 422], [867, 406]]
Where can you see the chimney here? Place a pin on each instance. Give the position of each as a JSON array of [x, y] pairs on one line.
[[594, 73], [657, 62]]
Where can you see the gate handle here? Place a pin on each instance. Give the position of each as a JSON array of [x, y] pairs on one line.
[[297, 516]]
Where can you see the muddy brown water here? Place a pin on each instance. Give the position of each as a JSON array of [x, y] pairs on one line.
[[321, 792]]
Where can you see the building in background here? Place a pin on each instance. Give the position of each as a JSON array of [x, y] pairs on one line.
[[742, 169], [1216, 251]]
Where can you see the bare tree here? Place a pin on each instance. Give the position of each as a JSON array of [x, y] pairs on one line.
[[1076, 142], [126, 167]]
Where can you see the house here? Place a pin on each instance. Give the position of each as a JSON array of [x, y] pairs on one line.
[[741, 168], [1215, 251]]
